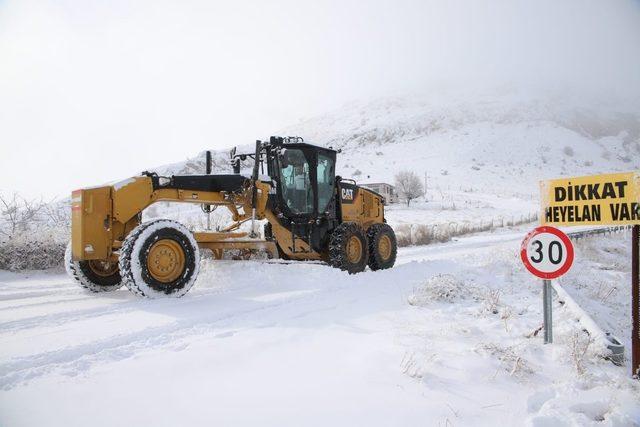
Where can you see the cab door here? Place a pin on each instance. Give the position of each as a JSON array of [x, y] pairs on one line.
[[296, 188]]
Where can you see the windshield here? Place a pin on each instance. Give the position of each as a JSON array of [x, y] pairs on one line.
[[295, 182]]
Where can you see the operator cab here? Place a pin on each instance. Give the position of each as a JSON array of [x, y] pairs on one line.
[[303, 187], [310, 206], [304, 175]]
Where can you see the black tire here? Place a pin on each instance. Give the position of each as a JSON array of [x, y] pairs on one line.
[[268, 231], [137, 249], [94, 276], [339, 248], [383, 246]]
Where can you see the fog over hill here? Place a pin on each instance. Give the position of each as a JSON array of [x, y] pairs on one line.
[[499, 144]]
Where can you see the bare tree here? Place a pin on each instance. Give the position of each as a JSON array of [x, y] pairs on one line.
[[33, 234], [18, 215], [57, 213], [409, 185], [9, 212]]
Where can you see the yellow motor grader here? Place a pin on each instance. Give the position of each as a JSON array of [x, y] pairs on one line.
[[311, 214]]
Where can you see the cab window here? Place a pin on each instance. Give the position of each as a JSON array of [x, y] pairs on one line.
[[326, 176], [295, 182]]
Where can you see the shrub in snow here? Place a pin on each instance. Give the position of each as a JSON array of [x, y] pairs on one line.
[[568, 151], [32, 252], [33, 235], [422, 235], [492, 301], [579, 344], [403, 235], [510, 360], [441, 287]]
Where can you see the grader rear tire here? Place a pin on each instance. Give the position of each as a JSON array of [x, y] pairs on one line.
[[348, 248], [95, 276], [160, 259], [383, 247]]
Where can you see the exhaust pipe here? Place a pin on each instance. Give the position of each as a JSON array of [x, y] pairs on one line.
[[254, 195], [208, 163], [207, 208]]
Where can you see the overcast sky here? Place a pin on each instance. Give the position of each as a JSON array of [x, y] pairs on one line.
[[93, 91]]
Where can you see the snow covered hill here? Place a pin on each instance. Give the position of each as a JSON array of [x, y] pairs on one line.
[[482, 155], [498, 144]]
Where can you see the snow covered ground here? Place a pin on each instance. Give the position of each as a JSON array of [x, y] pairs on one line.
[[447, 337], [459, 207], [444, 338]]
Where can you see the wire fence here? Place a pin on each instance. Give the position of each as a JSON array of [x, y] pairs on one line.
[[425, 234]]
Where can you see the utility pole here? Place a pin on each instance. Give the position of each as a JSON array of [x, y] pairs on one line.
[[425, 186]]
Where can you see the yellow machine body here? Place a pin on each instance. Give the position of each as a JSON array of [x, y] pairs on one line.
[[90, 208], [367, 209], [102, 217]]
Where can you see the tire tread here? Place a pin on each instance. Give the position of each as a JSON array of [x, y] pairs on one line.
[[337, 247], [373, 234]]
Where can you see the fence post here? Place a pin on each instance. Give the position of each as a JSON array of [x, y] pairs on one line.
[[635, 303]]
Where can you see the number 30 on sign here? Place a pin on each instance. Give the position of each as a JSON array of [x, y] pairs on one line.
[[547, 252]]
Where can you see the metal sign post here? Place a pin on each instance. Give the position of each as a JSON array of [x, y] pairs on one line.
[[547, 306], [548, 254], [635, 303]]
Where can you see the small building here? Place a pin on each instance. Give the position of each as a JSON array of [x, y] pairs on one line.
[[387, 191]]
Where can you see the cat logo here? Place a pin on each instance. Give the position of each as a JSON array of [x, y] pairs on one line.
[[347, 193]]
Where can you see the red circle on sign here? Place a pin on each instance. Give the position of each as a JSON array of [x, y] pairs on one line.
[[563, 268]]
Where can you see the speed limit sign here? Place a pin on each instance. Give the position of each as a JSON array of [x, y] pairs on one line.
[[547, 252]]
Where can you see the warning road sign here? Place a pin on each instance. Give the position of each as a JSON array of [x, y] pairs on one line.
[[612, 199], [547, 252]]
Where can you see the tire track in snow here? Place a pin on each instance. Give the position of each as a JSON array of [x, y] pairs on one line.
[[202, 320], [129, 303], [21, 294], [80, 358], [73, 298]]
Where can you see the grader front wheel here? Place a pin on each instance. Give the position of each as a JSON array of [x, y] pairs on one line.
[[159, 259], [94, 275]]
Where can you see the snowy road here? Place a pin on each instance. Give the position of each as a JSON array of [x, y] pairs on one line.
[[284, 344]]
